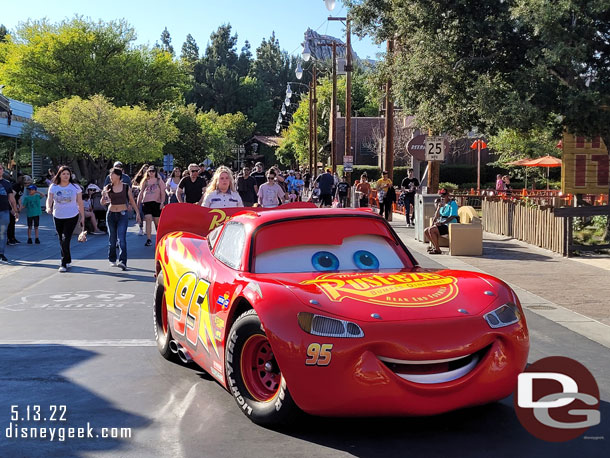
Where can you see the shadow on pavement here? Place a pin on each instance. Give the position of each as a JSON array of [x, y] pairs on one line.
[[489, 430], [32, 376]]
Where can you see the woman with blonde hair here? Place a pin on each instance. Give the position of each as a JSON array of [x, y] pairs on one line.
[[221, 192]]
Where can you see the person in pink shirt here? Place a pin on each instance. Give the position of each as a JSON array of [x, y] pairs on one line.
[[152, 198]]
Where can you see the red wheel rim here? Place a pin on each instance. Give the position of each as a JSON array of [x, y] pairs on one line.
[[164, 314], [259, 369]]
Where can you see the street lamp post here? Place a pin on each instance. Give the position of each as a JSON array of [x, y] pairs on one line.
[[348, 84]]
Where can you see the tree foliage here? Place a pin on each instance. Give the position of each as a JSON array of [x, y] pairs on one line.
[[296, 136], [45, 62], [97, 130], [166, 42], [190, 50]]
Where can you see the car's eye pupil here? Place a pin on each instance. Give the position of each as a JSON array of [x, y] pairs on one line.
[[325, 261], [366, 260]]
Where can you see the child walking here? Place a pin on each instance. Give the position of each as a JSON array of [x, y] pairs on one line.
[[31, 202]]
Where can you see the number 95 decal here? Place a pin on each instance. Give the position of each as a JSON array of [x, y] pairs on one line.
[[318, 355]]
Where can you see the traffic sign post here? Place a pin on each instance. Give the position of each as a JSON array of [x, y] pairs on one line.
[[435, 148], [348, 164]]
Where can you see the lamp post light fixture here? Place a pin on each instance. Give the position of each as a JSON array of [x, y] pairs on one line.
[[284, 109], [287, 101], [288, 91], [299, 71], [330, 4], [306, 54]]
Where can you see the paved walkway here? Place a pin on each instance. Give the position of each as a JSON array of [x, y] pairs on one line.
[[573, 292]]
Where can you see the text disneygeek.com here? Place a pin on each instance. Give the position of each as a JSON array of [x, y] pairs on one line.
[[55, 414]]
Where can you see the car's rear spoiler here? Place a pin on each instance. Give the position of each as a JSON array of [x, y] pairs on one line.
[[201, 220]]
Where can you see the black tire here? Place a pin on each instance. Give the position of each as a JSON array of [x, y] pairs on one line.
[[163, 334], [278, 408]]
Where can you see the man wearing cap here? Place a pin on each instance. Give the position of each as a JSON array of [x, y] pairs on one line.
[[124, 178], [447, 213], [258, 173]]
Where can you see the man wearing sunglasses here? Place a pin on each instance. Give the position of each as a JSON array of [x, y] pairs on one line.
[[191, 188]]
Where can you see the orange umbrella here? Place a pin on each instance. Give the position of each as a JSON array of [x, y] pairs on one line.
[[519, 161], [545, 161]]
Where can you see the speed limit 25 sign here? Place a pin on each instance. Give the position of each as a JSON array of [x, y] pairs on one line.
[[435, 148]]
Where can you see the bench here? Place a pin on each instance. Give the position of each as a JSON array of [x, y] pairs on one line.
[[466, 237]]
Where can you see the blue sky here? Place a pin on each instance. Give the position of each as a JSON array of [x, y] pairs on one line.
[[252, 20]]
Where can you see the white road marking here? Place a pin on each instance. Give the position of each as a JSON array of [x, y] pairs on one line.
[[84, 343]]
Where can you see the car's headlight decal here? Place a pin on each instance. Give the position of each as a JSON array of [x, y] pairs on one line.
[[505, 315], [319, 325]]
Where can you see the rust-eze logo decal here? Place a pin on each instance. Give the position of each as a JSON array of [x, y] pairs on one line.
[[396, 290]]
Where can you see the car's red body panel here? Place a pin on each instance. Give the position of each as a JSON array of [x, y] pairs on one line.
[[408, 316]]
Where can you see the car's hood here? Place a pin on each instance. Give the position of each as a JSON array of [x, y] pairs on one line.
[[397, 295]]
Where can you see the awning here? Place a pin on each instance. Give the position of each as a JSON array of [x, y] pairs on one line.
[[268, 140]]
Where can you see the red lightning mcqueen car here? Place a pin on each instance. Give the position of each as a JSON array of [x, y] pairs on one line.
[[326, 311]]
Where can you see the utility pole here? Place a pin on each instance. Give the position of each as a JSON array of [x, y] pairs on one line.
[[315, 124], [348, 94], [434, 170], [333, 112], [389, 122], [310, 129]]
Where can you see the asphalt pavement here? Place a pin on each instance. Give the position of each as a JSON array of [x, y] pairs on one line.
[[82, 343]]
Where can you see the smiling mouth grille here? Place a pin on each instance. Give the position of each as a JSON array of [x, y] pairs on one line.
[[434, 371]]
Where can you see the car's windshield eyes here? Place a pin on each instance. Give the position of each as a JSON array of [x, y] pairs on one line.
[[362, 252]]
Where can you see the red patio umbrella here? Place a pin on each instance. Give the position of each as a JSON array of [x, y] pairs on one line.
[[544, 161], [521, 162]]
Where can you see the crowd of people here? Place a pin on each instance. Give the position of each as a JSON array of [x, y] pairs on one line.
[[104, 210]]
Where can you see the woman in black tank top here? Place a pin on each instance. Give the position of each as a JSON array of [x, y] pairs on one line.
[[118, 194]]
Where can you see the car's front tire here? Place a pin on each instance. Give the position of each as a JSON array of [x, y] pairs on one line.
[[253, 375], [163, 334]]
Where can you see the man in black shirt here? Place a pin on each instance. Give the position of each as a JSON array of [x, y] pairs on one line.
[[247, 188], [190, 189], [8, 208], [259, 174], [342, 192], [410, 185], [326, 182]]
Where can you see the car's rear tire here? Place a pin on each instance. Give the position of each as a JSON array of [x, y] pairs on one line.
[[163, 333], [253, 376]]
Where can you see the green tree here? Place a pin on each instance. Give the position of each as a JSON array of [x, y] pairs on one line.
[[244, 61], [46, 62], [3, 32], [497, 65], [92, 133], [166, 42], [216, 74], [296, 137], [190, 50]]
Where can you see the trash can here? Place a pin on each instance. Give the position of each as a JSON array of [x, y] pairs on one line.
[[424, 210]]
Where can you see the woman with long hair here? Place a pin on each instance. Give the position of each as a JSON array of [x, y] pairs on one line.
[[152, 199], [118, 194], [65, 203], [221, 192], [171, 186]]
